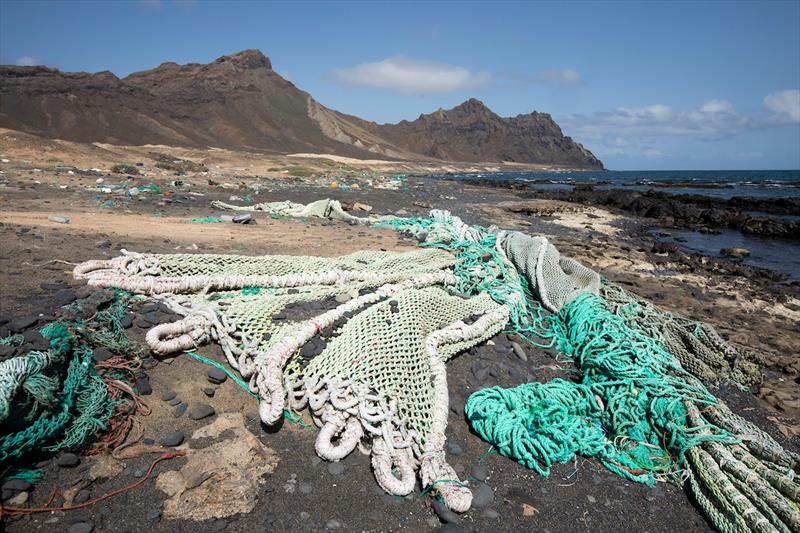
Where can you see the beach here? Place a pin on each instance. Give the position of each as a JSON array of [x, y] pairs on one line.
[[754, 308]]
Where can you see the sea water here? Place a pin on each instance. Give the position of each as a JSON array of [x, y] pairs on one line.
[[782, 255]]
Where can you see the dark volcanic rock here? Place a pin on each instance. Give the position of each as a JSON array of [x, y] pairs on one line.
[[201, 411]]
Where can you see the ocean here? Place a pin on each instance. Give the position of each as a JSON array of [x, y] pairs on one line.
[[782, 255], [715, 183]]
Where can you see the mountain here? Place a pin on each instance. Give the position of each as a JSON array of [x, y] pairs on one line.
[[239, 102]]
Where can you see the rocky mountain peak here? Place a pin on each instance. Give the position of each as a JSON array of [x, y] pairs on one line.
[[248, 59]]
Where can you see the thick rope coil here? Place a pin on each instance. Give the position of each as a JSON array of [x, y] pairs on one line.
[[344, 427]]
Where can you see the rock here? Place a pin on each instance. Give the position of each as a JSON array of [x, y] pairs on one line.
[[173, 439], [660, 247], [81, 497], [333, 524], [362, 207], [168, 395], [153, 516], [336, 468], [304, 516], [209, 391], [201, 411], [482, 495], [16, 485], [244, 218], [216, 376], [518, 351], [20, 324], [454, 449], [480, 472], [491, 514], [174, 402], [180, 410], [68, 460], [64, 297], [18, 500], [127, 321], [58, 219], [735, 252], [143, 386], [102, 353], [444, 514], [105, 243], [81, 527]]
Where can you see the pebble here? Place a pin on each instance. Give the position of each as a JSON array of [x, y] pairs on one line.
[[304, 516], [68, 460], [58, 219], [333, 524], [209, 391], [180, 410], [454, 449], [101, 354], [482, 495], [23, 323], [216, 376], [445, 514], [591, 499], [153, 516], [81, 527], [336, 469], [168, 395], [19, 499], [244, 218], [16, 485], [201, 411], [143, 386], [519, 351], [175, 401], [480, 472], [173, 439], [491, 513], [127, 321]]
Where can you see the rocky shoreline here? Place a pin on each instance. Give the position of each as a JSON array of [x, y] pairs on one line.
[[769, 217]]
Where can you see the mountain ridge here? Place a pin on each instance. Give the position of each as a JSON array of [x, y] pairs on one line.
[[239, 102]]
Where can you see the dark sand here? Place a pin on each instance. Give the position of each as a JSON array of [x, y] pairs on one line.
[[301, 492]]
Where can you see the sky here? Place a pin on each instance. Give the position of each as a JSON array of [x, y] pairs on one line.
[[643, 85]]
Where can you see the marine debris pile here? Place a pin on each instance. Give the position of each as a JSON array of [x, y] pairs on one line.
[[370, 368]]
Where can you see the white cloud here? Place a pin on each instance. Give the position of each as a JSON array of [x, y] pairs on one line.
[[28, 61], [562, 76], [785, 105], [713, 119], [409, 76], [717, 106]]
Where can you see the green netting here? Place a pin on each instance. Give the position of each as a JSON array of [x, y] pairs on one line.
[[55, 399]]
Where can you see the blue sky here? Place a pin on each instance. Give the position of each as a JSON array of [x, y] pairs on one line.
[[644, 85]]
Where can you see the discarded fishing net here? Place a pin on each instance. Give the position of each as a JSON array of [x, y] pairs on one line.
[[59, 398], [371, 370]]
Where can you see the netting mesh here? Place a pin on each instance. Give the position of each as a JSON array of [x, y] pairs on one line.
[[370, 368]]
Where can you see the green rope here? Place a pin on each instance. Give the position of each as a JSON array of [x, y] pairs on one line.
[[54, 400], [628, 411]]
